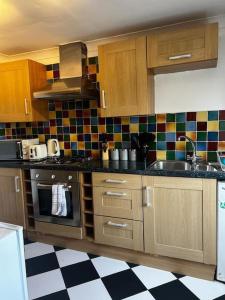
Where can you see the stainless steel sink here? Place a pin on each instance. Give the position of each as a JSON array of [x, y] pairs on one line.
[[171, 165], [205, 167]]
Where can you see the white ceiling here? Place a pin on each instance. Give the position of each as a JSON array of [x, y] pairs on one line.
[[27, 25]]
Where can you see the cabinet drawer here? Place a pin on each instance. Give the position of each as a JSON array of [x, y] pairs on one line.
[[117, 180], [119, 232], [114, 202]]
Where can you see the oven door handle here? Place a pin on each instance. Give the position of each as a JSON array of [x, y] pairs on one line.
[[50, 185]]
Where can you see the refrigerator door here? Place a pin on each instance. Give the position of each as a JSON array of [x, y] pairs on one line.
[[221, 232]]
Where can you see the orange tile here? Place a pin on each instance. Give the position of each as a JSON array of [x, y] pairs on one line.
[[161, 118], [8, 131], [72, 114], [221, 146], [95, 154], [58, 106], [93, 103], [68, 152], [191, 135], [41, 138], [111, 145], [53, 130], [66, 121], [180, 145], [87, 129], [86, 113], [49, 74], [117, 137], [52, 115], [92, 69], [170, 127], [73, 137], [101, 129], [81, 146], [94, 137]]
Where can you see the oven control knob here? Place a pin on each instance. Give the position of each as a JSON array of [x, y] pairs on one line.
[[53, 176], [37, 175], [70, 177]]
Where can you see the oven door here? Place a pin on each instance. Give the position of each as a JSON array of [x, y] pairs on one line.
[[42, 201]]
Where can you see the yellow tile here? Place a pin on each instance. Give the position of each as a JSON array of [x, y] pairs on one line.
[[53, 130], [73, 138], [49, 74], [161, 118], [170, 127], [117, 137], [180, 145], [87, 128], [68, 152], [101, 128], [41, 138], [213, 125], [81, 146], [61, 145], [191, 135], [125, 120], [202, 116], [66, 121], [8, 131], [52, 115], [93, 103], [72, 114], [201, 154], [134, 128], [161, 155], [221, 146]]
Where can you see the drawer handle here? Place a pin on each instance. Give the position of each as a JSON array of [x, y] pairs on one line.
[[147, 196], [115, 181], [17, 189], [188, 55], [103, 100], [110, 223], [115, 194]]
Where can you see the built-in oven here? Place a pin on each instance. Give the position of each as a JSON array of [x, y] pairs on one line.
[[42, 182]]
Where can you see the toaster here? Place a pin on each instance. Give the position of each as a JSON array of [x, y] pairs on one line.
[[37, 152]]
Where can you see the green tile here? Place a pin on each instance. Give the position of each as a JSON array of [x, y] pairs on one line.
[[94, 129], [180, 126], [72, 122], [170, 155], [109, 128], [66, 138], [170, 118], [79, 129], [201, 136], [189, 147], [152, 145], [142, 127], [161, 136], [152, 119], [88, 145], [222, 125], [118, 145], [212, 156]]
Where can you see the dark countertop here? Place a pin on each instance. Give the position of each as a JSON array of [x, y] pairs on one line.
[[113, 167]]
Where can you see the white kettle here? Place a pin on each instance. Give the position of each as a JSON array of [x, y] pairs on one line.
[[53, 148]]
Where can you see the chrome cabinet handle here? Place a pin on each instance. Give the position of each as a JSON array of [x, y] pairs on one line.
[[147, 196], [103, 100], [49, 185], [26, 106], [17, 188], [115, 181], [115, 194], [175, 57], [110, 223]]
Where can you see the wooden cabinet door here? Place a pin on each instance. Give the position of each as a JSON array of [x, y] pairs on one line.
[[124, 79], [14, 92], [11, 197], [183, 48]]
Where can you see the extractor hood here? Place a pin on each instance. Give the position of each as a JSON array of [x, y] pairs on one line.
[[74, 82]]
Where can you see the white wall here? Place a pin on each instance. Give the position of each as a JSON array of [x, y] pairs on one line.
[[198, 90]]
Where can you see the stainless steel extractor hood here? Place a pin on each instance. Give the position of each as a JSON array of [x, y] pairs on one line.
[[74, 82]]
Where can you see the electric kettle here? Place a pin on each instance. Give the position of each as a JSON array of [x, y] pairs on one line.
[[53, 148]]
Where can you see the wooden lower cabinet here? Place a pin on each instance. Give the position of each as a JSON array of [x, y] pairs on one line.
[[11, 196], [180, 218], [119, 232]]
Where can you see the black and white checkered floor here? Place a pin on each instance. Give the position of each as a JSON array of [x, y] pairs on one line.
[[55, 273]]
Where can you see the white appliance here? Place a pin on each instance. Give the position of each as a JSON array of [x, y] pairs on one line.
[[13, 283], [37, 152], [25, 147], [53, 148], [220, 275]]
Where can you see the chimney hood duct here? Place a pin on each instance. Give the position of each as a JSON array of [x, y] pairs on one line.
[[74, 82]]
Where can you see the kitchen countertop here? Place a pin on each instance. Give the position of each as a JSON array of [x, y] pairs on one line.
[[139, 168]]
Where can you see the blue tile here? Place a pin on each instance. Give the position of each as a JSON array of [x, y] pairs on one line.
[[151, 127], [170, 136], [117, 128], [2, 125], [94, 121], [191, 126], [161, 146], [180, 117], [80, 121], [212, 136], [87, 137], [201, 146], [134, 119], [180, 155], [213, 115], [74, 145]]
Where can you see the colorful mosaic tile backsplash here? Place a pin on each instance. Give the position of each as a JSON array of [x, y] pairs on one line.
[[80, 130]]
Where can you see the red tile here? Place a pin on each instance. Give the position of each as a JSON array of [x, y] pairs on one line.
[[201, 126], [87, 121], [66, 145], [191, 116], [170, 145], [178, 134], [222, 114], [79, 113], [65, 114], [161, 127], [212, 146], [101, 121], [222, 135]]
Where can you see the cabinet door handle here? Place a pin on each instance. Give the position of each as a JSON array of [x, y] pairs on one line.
[[17, 188], [115, 181], [175, 57], [26, 106], [120, 225], [115, 194], [147, 196], [103, 100]]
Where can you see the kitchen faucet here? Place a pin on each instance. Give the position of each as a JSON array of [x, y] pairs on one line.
[[194, 157]]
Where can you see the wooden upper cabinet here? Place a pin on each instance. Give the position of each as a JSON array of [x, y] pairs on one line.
[[183, 48], [18, 81], [126, 87]]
